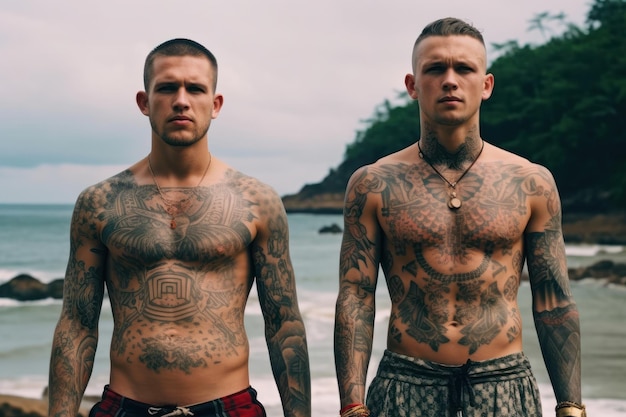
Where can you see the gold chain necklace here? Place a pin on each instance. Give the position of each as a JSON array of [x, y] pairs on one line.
[[176, 208], [454, 202]]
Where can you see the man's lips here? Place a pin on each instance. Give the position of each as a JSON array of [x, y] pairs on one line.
[[448, 99], [180, 119]]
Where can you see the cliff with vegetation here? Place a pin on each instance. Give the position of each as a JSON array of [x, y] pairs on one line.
[[561, 104]]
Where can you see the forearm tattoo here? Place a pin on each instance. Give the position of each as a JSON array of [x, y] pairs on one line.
[[355, 308], [284, 328], [75, 341], [556, 314]]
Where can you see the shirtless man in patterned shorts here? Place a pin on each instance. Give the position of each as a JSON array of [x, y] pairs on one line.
[[451, 220]]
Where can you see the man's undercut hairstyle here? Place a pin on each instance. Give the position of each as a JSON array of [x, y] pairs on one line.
[[448, 26], [178, 47]]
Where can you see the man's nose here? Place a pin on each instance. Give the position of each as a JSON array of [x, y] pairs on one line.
[[181, 100], [450, 81]]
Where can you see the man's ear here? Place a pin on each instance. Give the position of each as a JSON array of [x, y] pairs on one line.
[[142, 102], [218, 102], [488, 86], [409, 83]]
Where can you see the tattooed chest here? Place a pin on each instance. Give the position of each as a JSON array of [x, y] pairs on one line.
[[427, 220], [139, 226], [445, 239]]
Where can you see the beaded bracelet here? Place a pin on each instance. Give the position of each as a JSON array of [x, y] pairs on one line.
[[570, 409], [354, 410]]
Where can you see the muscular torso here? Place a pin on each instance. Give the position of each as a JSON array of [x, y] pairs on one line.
[[453, 275], [177, 294]]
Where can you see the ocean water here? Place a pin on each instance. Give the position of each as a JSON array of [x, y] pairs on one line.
[[34, 239]]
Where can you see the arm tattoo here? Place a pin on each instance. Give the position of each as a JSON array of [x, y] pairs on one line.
[[355, 307], [556, 314], [354, 331], [356, 246], [76, 335], [284, 328]]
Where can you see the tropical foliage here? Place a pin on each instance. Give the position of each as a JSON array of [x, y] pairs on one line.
[[561, 104]]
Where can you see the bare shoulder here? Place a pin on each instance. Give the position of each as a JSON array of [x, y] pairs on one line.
[[403, 157], [536, 182], [262, 198], [95, 197], [534, 171], [494, 153], [385, 167]]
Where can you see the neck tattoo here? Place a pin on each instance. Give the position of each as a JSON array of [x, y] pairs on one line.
[[454, 203], [176, 208]]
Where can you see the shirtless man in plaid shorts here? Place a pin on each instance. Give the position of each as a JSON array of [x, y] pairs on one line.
[[178, 240]]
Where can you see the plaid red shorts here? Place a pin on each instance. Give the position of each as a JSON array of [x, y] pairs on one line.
[[240, 404]]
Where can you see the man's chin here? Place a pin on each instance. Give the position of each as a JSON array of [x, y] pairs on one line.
[[180, 142], [451, 121]]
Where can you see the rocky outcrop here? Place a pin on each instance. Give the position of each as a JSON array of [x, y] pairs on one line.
[[26, 288], [323, 203], [332, 229], [608, 228], [14, 406], [609, 271]]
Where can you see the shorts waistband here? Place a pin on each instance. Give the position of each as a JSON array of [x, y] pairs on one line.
[[398, 366], [232, 401], [460, 379]]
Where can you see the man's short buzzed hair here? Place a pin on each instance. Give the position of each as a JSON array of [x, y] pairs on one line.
[[448, 26], [178, 47]]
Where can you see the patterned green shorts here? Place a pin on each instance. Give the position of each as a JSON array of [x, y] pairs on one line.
[[411, 387]]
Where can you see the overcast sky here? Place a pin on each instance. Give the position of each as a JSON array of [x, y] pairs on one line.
[[298, 79]]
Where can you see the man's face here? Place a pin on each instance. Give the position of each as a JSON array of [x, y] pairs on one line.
[[180, 100], [449, 79]]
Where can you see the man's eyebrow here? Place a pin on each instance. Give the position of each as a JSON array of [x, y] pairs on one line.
[[184, 83], [468, 61], [165, 82], [432, 61]]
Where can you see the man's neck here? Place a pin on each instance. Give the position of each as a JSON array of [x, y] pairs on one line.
[[180, 166], [452, 151]]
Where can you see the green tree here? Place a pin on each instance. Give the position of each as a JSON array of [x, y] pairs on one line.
[[561, 104]]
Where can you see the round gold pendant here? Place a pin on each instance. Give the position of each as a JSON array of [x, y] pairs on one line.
[[454, 203]]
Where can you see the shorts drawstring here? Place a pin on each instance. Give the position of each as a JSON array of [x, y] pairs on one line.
[[169, 412], [460, 382]]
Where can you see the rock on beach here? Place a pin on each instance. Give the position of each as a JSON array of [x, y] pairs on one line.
[[14, 406], [25, 287]]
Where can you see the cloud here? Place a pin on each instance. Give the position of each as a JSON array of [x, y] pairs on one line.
[[54, 184], [297, 77]]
